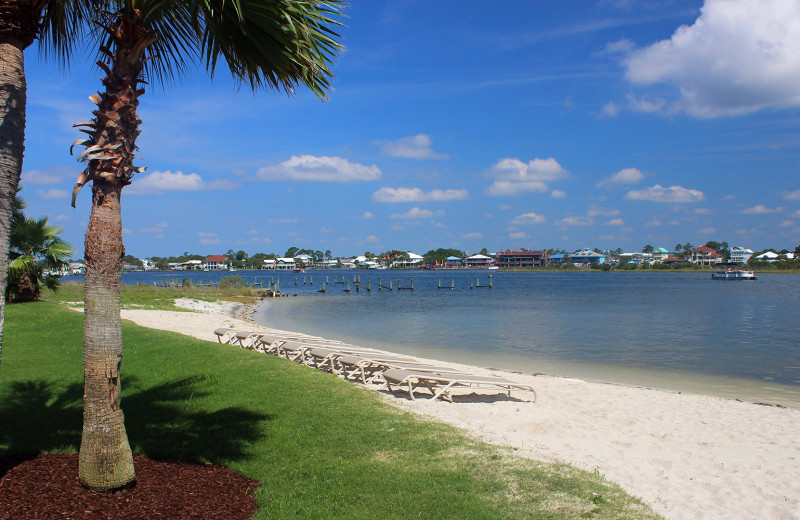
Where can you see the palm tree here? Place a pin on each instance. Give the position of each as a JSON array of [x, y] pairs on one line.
[[36, 251], [273, 44], [57, 25]]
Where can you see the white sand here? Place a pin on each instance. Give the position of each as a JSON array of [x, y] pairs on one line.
[[689, 456]]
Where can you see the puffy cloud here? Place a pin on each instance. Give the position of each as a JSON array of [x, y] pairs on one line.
[[738, 57], [528, 218], [514, 177], [791, 195], [372, 239], [575, 221], [760, 209], [595, 211], [53, 176], [208, 238], [158, 228], [624, 176], [412, 147], [159, 182], [416, 213], [417, 195], [367, 215], [518, 235], [659, 193], [308, 168], [52, 194], [615, 222], [558, 194]]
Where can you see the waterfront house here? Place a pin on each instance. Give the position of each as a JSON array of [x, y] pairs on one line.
[[768, 256], [660, 254], [586, 257], [215, 262], [269, 263], [637, 258], [740, 255], [284, 264], [521, 258], [706, 256], [478, 261], [413, 260]]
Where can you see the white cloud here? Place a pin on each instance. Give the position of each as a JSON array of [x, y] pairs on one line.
[[615, 222], [372, 239], [159, 182], [761, 210], [707, 231], [514, 177], [367, 215], [203, 234], [624, 176], [738, 57], [158, 228], [575, 221], [791, 195], [701, 211], [386, 194], [653, 223], [796, 214], [52, 194], [611, 109], [61, 218], [596, 211], [558, 194], [208, 241], [416, 213], [518, 235], [787, 223], [324, 229], [54, 176], [472, 236], [282, 221], [659, 193], [527, 219], [319, 169], [412, 147]]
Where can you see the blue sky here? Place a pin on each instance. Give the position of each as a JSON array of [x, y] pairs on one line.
[[464, 124]]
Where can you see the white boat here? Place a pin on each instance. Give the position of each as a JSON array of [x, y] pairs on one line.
[[493, 268], [734, 274]]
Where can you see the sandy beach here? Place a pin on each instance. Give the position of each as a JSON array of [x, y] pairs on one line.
[[689, 456]]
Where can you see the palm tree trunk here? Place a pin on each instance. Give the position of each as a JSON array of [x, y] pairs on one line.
[[12, 139], [105, 462]]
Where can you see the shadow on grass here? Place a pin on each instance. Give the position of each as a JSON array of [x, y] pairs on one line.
[[161, 422]]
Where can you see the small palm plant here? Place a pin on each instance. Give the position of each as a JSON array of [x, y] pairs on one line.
[[37, 254]]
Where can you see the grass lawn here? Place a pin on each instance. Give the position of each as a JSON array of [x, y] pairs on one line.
[[321, 447]]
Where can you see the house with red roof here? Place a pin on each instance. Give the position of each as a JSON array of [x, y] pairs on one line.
[[215, 262], [704, 255]]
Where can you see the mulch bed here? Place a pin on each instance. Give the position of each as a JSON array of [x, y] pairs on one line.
[[47, 488]]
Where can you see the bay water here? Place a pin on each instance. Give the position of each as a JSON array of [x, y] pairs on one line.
[[678, 331]]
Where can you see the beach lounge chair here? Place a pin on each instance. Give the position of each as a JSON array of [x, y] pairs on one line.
[[369, 369], [246, 338], [224, 333], [440, 384]]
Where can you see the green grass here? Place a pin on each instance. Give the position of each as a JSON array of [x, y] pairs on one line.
[[321, 447], [144, 296]]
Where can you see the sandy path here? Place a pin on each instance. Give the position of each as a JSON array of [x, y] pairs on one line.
[[689, 456]]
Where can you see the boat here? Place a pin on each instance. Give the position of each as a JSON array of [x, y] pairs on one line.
[[298, 270], [734, 274], [493, 268]]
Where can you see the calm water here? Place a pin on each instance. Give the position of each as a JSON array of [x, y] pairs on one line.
[[646, 328]]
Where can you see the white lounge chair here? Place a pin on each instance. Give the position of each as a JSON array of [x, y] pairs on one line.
[[224, 333], [440, 384]]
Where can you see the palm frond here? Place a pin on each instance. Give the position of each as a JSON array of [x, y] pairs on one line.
[[63, 26]]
